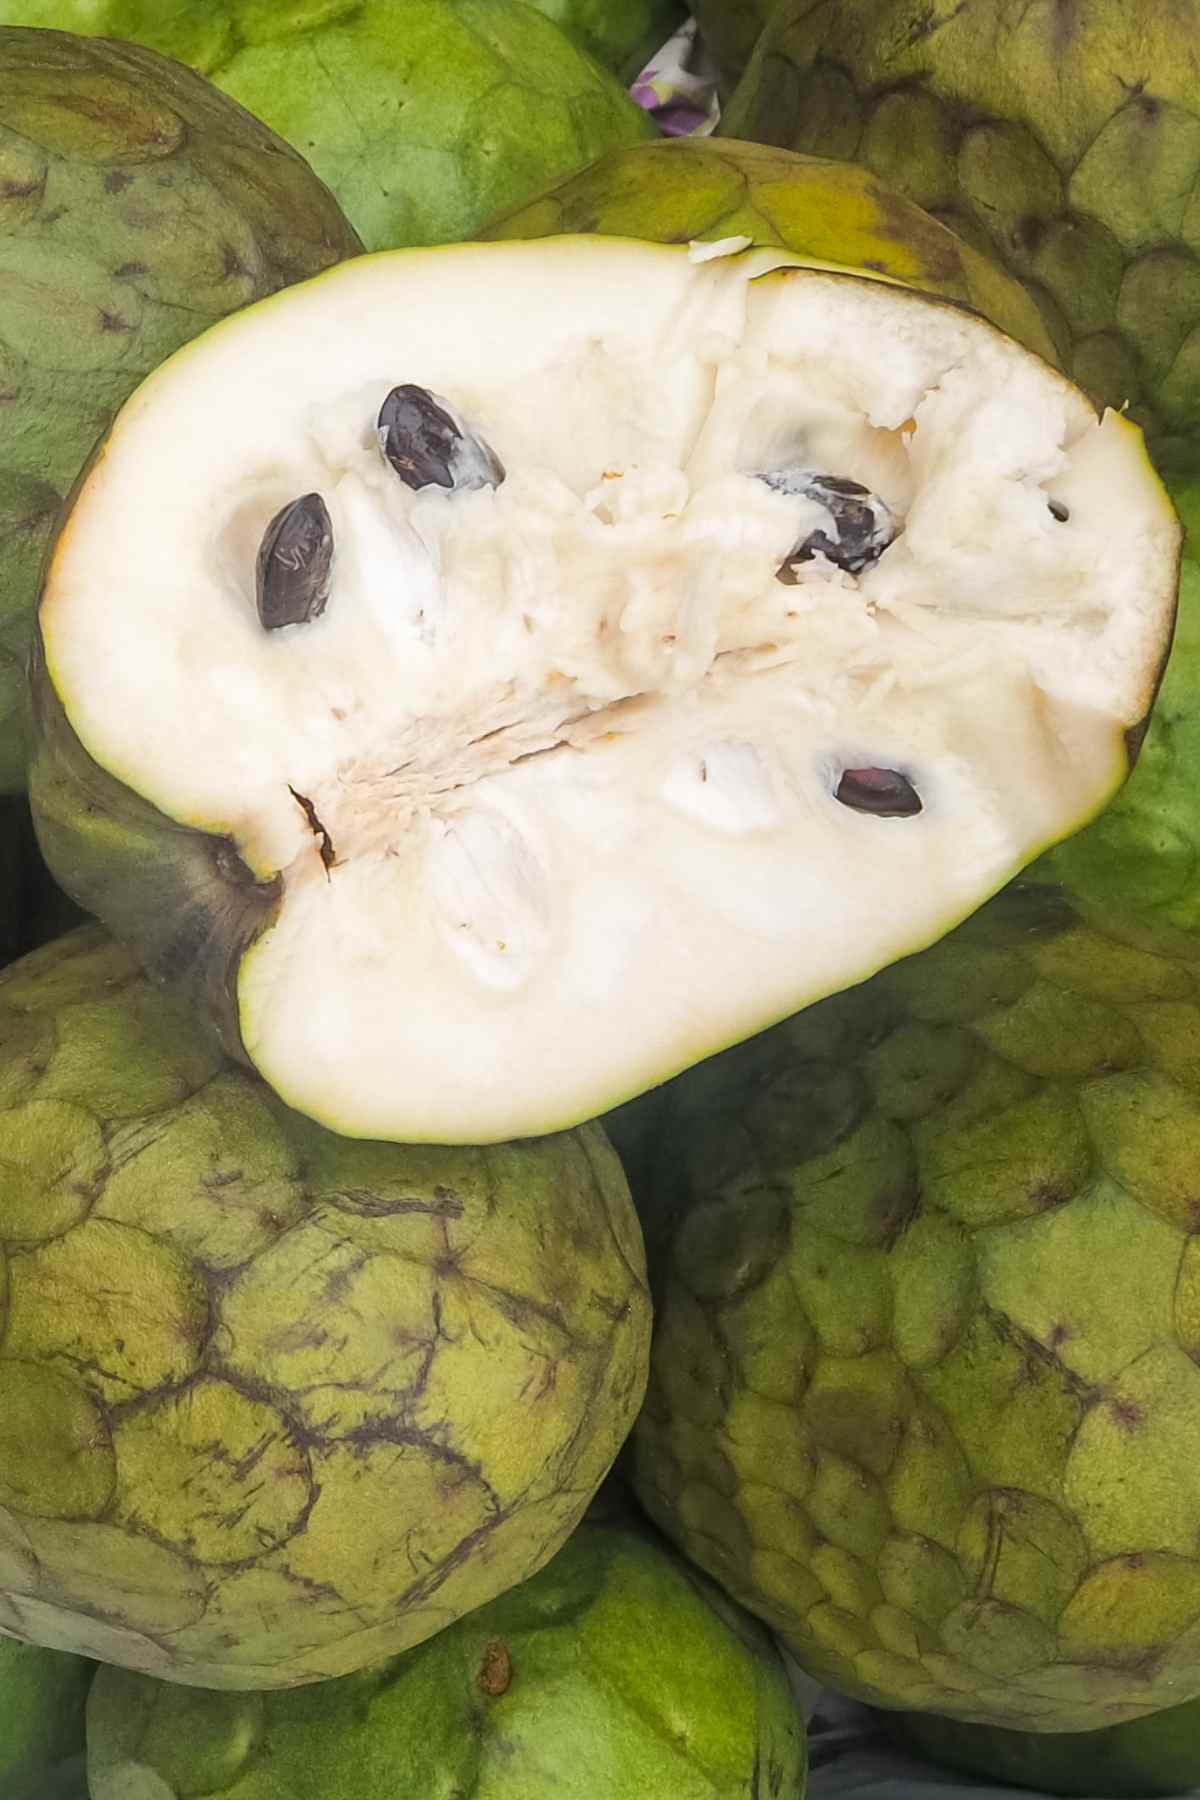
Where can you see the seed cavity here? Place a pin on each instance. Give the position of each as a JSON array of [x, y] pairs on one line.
[[883, 793], [428, 445], [295, 559], [859, 526]]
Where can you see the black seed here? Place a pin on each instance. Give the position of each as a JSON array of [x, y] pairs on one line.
[[860, 525], [294, 561], [1060, 512], [884, 793], [429, 446]]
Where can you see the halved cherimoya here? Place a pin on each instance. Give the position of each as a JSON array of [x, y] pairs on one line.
[[493, 678]]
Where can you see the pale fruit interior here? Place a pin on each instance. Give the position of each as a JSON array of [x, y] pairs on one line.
[[572, 746]]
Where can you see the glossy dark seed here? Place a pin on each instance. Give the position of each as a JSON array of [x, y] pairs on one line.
[[429, 446], [1060, 512], [860, 525], [294, 562], [884, 793]]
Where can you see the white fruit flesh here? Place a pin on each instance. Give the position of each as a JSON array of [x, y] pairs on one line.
[[572, 744]]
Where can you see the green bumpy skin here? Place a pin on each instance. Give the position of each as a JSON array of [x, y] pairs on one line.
[[425, 117], [42, 1695], [925, 1387], [275, 1404], [1157, 1755], [677, 190], [925, 1384], [137, 207], [614, 1672], [1065, 138]]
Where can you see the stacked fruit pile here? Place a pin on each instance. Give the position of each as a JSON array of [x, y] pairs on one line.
[[684, 649]]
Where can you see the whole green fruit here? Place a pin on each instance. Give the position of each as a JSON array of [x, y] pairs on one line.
[[1159, 1754], [614, 1671], [679, 189], [925, 1388], [275, 1404], [1065, 137], [137, 207], [42, 1694], [424, 116]]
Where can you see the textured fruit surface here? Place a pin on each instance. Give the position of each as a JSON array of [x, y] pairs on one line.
[[614, 1671], [137, 206], [1159, 1754], [708, 189], [273, 1404], [1065, 137], [925, 1390], [42, 1694], [424, 116]]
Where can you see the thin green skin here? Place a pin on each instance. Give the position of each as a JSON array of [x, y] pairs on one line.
[[274, 1404], [1157, 1755], [137, 207], [1066, 138], [925, 1384], [42, 1695], [676, 190], [423, 116], [627, 1674]]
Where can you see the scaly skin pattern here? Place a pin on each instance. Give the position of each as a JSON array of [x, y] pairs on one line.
[[275, 1404], [137, 207], [613, 1672], [1065, 137], [925, 1384], [677, 190], [425, 117]]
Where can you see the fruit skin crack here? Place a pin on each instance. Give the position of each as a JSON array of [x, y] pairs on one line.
[[324, 841]]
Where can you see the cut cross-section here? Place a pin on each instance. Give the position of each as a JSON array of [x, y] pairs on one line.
[[493, 678]]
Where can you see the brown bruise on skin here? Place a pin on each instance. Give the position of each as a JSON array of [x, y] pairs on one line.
[[495, 1669]]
